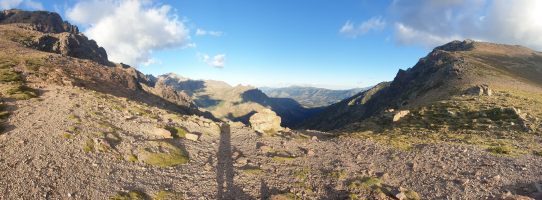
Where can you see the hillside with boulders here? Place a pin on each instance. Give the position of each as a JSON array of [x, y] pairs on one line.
[[462, 124]]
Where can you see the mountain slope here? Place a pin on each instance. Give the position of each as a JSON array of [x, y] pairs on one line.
[[73, 128], [311, 97], [446, 74], [236, 103]]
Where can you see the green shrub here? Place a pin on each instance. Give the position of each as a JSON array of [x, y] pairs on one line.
[[167, 195], [131, 195], [177, 132], [500, 150]]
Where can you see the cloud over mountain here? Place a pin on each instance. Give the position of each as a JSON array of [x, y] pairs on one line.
[[130, 30], [430, 23]]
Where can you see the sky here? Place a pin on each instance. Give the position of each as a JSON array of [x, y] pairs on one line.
[[277, 43]]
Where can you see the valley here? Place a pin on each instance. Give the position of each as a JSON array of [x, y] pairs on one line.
[[465, 122]]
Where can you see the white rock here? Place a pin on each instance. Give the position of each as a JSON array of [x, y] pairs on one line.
[[192, 136]]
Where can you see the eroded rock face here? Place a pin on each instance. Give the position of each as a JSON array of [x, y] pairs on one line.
[[266, 121], [43, 21], [56, 36], [69, 44]]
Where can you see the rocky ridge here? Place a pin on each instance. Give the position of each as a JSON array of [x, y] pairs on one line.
[[73, 128]]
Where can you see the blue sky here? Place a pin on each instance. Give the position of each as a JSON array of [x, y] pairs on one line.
[[331, 44]]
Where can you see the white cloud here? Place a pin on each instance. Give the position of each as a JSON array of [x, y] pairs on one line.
[[215, 61], [430, 23], [130, 29], [9, 4], [349, 29], [201, 32], [152, 61], [409, 36]]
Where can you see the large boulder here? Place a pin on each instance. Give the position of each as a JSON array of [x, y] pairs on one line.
[[480, 90], [397, 116], [266, 121]]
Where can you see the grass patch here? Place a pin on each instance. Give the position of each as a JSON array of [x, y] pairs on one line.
[[7, 75], [500, 150], [167, 195], [132, 158], [131, 195], [171, 156], [67, 136], [177, 132], [365, 183], [88, 146], [21, 92], [339, 175]]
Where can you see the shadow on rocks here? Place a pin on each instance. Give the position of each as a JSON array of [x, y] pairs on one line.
[[226, 188]]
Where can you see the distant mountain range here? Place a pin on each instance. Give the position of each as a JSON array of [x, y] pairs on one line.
[[311, 97], [236, 103]]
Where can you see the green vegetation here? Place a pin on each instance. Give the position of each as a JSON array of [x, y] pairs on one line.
[[172, 156], [339, 175], [500, 149], [67, 135], [7, 74], [21, 92], [131, 195], [177, 132], [131, 158], [3, 116], [365, 183], [167, 195], [88, 146]]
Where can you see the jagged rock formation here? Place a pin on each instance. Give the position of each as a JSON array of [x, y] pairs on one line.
[[311, 97], [76, 129], [447, 73], [45, 31], [73, 60], [42, 21]]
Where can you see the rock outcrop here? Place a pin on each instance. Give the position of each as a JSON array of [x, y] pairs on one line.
[[47, 32], [69, 44], [42, 21], [480, 90], [449, 71], [266, 121]]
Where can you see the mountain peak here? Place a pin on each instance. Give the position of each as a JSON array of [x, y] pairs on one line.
[[43, 21]]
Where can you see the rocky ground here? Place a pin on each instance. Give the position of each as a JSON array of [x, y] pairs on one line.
[[72, 143]]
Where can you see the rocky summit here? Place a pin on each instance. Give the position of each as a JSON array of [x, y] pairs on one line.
[[463, 123]]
